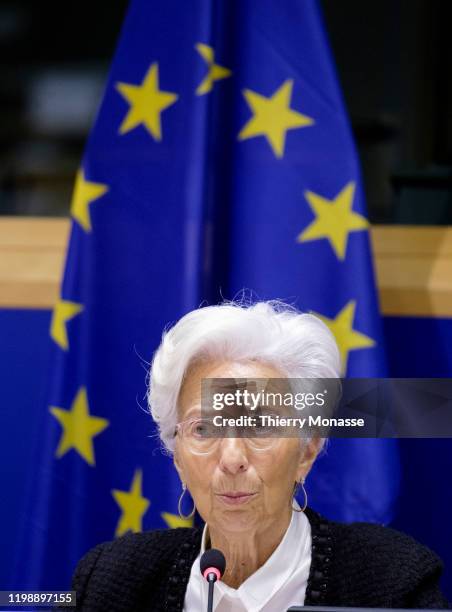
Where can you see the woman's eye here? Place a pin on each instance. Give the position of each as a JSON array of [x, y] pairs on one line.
[[200, 429], [262, 430]]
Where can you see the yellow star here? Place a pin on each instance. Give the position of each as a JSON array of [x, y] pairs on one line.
[[79, 427], [216, 72], [133, 506], [174, 520], [146, 102], [347, 338], [272, 117], [334, 219], [63, 312], [85, 192]]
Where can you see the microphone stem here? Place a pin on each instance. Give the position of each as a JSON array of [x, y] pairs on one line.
[[210, 597]]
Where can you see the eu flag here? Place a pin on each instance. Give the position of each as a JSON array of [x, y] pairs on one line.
[[221, 159]]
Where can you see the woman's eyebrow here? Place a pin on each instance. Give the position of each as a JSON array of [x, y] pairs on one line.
[[193, 411]]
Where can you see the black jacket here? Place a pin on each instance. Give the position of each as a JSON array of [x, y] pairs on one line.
[[360, 564]]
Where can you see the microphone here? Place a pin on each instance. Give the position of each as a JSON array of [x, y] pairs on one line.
[[212, 565]]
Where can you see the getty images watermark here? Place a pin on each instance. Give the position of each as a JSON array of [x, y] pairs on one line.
[[344, 408], [264, 408]]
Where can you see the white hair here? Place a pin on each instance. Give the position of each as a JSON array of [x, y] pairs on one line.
[[298, 344]]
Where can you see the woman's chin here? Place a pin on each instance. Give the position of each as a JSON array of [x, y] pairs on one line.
[[234, 519]]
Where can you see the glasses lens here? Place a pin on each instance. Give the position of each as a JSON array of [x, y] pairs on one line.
[[262, 437], [199, 436]]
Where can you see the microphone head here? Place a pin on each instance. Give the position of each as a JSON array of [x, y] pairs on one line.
[[212, 561]]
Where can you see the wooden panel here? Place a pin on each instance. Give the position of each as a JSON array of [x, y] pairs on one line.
[[32, 233], [31, 261], [413, 265], [414, 270], [412, 240]]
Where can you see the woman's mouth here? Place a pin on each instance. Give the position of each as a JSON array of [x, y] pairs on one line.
[[235, 498]]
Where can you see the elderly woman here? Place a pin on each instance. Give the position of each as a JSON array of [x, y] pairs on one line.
[[277, 553]]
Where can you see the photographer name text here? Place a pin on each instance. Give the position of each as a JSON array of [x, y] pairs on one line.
[[277, 421]]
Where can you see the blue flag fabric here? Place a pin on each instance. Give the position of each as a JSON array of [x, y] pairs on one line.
[[221, 159]]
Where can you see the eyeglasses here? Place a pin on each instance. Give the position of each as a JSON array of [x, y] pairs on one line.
[[201, 436]]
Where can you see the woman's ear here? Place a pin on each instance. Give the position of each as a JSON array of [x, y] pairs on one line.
[[178, 465], [308, 456]]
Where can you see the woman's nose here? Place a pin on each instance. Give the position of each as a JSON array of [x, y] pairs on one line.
[[233, 455]]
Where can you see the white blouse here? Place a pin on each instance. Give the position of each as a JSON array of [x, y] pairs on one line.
[[277, 585]]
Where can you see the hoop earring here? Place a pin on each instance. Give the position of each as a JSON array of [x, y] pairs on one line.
[[179, 505], [297, 485]]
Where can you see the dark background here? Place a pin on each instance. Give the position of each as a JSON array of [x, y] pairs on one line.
[[393, 58]]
